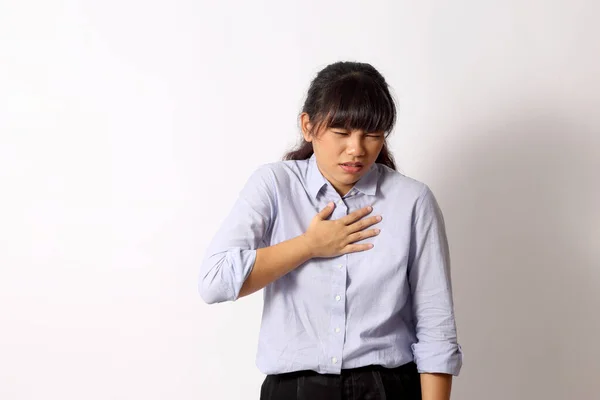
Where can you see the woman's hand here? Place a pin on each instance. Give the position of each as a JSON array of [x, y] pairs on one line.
[[327, 238]]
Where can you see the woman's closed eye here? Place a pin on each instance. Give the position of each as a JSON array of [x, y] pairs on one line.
[[373, 135]]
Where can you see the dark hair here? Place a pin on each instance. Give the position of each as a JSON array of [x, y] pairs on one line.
[[348, 95]]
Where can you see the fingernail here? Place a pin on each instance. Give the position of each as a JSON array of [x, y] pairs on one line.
[[379, 218]]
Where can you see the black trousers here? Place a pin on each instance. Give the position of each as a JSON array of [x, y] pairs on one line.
[[372, 382]]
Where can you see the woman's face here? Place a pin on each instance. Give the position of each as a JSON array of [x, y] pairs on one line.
[[334, 147]]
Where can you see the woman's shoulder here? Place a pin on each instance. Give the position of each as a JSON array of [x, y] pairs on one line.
[[279, 173], [393, 181], [283, 171]]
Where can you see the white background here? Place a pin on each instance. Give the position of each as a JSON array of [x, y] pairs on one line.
[[128, 128]]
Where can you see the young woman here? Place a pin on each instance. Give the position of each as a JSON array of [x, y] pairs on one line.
[[352, 256]]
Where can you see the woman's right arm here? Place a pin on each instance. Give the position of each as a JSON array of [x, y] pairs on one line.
[[231, 255], [322, 239], [275, 261], [235, 265]]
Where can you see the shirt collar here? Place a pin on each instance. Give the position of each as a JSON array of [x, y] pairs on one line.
[[315, 180]]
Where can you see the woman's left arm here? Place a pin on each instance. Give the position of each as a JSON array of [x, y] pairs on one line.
[[437, 353], [436, 386]]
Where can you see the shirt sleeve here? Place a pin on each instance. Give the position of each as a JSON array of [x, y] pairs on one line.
[[436, 349], [231, 254]]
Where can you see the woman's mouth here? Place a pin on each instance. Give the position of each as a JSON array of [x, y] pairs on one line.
[[352, 168]]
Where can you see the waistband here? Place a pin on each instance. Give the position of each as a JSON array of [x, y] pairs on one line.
[[408, 367]]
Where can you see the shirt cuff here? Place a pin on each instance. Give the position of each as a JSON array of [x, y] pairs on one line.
[[442, 358]]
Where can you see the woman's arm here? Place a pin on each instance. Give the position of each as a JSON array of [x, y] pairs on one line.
[[436, 386], [322, 239], [437, 354], [275, 261], [232, 252]]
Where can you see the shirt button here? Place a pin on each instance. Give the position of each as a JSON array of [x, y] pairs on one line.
[[338, 297], [341, 202], [340, 266], [337, 330], [334, 360]]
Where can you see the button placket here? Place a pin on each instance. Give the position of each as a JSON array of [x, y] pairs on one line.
[[338, 316], [338, 305]]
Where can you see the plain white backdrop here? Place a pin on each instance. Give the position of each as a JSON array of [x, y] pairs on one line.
[[127, 129]]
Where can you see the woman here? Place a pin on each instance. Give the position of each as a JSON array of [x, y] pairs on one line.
[[352, 256]]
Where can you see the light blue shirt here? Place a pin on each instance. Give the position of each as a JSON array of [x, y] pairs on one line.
[[388, 305]]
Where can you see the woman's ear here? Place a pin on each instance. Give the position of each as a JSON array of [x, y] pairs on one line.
[[306, 126]]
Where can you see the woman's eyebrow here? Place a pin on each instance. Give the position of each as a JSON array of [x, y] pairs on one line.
[[363, 132]]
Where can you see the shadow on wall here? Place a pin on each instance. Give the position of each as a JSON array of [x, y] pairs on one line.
[[521, 197]]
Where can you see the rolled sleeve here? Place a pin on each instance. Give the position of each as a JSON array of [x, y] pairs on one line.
[[436, 349], [231, 254]]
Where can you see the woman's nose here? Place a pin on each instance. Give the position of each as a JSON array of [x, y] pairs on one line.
[[355, 147]]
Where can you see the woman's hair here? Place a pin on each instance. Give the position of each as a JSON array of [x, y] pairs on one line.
[[348, 95]]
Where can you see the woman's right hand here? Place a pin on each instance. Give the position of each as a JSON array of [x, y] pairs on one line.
[[327, 238]]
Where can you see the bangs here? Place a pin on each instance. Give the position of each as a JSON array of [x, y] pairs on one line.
[[357, 102]]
